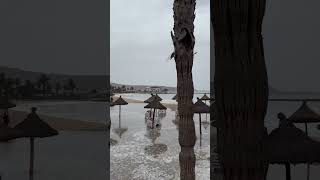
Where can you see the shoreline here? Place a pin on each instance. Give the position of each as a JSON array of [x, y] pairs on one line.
[[171, 106]]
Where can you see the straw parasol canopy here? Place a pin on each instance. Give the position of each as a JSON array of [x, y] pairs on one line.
[[120, 101], [150, 99], [158, 98], [290, 145], [153, 98], [7, 134], [305, 115], [205, 97], [5, 103], [34, 127], [155, 105], [200, 108]]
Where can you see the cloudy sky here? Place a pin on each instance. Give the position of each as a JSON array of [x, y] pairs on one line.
[[291, 44], [69, 36], [60, 36], [141, 43]]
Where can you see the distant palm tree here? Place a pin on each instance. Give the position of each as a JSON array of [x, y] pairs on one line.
[[43, 81], [72, 86], [183, 41]]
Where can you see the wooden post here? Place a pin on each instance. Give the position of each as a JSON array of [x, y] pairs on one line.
[[154, 112], [308, 165], [31, 158], [200, 124], [119, 113], [119, 116], [288, 174], [306, 126]]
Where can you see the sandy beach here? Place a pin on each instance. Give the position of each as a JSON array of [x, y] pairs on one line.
[[61, 124]]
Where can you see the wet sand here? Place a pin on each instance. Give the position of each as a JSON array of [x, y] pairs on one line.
[[61, 124]]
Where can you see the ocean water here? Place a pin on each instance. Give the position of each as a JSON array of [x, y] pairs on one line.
[[131, 156], [131, 160]]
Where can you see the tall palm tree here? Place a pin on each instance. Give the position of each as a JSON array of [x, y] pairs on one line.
[[241, 87], [183, 41]]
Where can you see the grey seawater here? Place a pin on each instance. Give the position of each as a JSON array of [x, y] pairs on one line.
[[131, 160], [68, 156]]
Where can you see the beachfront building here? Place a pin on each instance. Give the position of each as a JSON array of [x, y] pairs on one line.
[[153, 89]]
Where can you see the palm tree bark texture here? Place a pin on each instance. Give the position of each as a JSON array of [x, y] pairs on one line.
[[184, 41], [241, 87]]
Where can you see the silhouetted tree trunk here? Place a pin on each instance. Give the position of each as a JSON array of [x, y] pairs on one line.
[[183, 41], [241, 87]]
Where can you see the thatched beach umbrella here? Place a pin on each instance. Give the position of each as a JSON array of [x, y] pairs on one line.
[[154, 105], [153, 98], [150, 99], [200, 107], [290, 145], [33, 127], [174, 97], [120, 102], [305, 115], [205, 98], [7, 134], [5, 103]]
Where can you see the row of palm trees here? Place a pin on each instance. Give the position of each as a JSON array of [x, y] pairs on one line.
[[15, 87]]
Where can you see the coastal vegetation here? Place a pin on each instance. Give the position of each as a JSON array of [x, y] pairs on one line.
[[44, 88]]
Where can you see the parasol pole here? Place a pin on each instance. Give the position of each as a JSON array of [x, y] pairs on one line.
[[31, 158], [154, 112], [306, 126], [200, 124], [119, 115], [288, 174], [308, 165], [308, 171]]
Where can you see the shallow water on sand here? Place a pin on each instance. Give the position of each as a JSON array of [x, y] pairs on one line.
[[130, 158], [70, 155]]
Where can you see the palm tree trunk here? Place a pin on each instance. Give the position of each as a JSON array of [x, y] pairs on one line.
[[241, 87], [183, 41]]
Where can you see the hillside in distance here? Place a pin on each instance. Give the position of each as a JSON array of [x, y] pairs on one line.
[[83, 82]]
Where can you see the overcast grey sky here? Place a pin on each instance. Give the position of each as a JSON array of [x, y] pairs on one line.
[[60, 36], [68, 36], [291, 44], [141, 43]]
